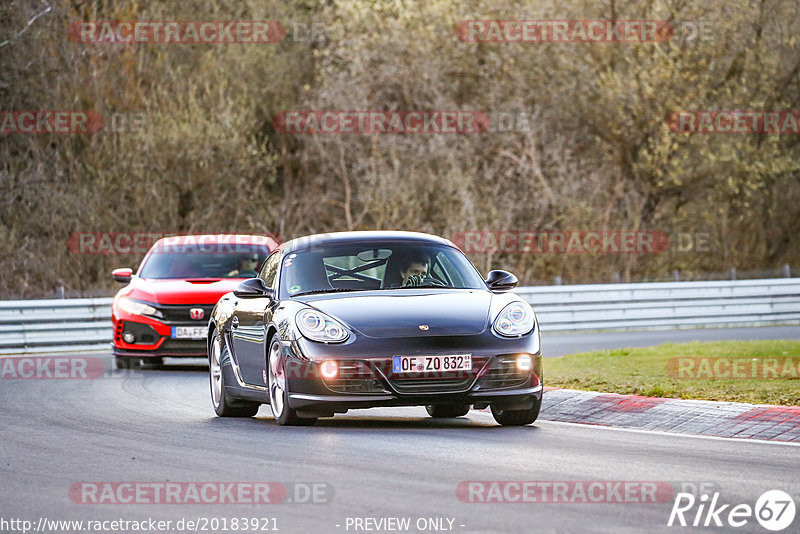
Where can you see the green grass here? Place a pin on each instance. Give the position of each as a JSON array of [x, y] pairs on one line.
[[644, 371]]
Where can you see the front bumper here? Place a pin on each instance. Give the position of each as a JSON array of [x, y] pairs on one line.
[[196, 350], [494, 377], [154, 339], [515, 399]]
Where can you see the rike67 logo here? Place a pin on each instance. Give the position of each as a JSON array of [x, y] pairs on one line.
[[774, 510]]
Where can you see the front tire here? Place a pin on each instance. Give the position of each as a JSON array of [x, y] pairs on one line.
[[517, 417], [446, 411], [224, 405], [278, 394]]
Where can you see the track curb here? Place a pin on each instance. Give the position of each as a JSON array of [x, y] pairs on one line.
[[705, 418]]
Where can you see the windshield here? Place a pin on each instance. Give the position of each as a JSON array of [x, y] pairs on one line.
[[376, 266], [243, 263]]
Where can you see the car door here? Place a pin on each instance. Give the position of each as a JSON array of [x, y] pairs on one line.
[[249, 325]]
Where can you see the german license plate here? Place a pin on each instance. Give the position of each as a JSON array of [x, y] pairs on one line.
[[437, 363], [189, 332]]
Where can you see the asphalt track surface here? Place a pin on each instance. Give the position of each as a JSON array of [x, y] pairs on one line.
[[157, 425]]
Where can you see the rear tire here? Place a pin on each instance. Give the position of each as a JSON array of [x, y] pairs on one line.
[[224, 405], [517, 417], [278, 395], [445, 411]]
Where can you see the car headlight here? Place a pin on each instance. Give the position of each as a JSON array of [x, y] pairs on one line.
[[136, 307], [317, 326], [516, 319]]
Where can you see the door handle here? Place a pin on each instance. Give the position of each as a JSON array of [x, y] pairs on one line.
[[235, 322]]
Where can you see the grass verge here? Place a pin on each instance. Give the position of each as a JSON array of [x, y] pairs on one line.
[[768, 371]]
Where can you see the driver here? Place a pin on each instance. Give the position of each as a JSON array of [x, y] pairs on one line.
[[247, 267], [415, 269]]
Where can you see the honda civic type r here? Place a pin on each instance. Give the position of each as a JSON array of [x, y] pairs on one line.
[[363, 319], [164, 308]]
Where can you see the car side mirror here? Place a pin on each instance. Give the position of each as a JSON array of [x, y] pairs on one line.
[[254, 288], [122, 275], [501, 281]]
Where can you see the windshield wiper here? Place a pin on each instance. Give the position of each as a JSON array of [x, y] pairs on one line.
[[331, 290]]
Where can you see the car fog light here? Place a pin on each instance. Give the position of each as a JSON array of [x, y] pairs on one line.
[[524, 362], [329, 369], [128, 337]]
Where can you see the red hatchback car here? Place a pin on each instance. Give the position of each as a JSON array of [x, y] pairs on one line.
[[164, 309]]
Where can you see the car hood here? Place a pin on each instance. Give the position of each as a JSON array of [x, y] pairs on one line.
[[401, 314], [200, 291]]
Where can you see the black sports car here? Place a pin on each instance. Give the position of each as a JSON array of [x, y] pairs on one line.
[[364, 319]]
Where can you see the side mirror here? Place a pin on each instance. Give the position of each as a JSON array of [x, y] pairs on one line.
[[254, 288], [122, 275], [501, 281]]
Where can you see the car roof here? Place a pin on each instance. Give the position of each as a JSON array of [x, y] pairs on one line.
[[393, 236]]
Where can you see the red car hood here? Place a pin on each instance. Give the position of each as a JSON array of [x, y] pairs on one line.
[[200, 291]]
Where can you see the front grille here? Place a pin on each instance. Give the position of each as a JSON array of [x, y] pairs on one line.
[[503, 373], [355, 377], [184, 345], [178, 314], [431, 385]]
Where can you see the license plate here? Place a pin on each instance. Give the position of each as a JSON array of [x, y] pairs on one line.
[[422, 364], [189, 332]]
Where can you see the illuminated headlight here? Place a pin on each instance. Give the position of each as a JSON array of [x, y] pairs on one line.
[[524, 362], [136, 307], [329, 369], [317, 326], [516, 319]]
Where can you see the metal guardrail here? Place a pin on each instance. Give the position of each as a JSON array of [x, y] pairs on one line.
[[85, 324], [667, 305], [55, 325]]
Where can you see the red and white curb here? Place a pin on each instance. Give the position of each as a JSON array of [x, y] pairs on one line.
[[705, 418]]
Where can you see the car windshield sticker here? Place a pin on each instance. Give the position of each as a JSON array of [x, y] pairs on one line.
[[294, 289]]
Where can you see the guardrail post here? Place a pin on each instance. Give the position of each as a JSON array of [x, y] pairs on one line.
[[732, 274], [676, 275], [557, 281], [787, 271]]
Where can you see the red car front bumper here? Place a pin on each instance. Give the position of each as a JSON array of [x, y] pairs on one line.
[[152, 337]]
